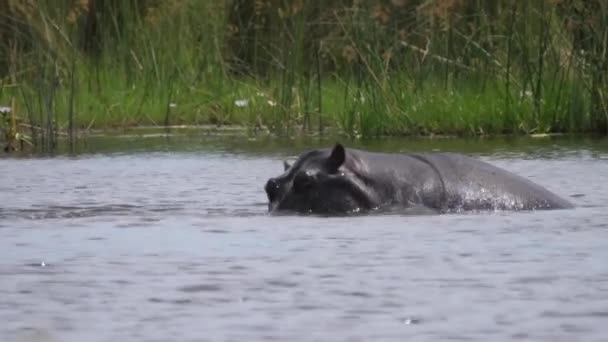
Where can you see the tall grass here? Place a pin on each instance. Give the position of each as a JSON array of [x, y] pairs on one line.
[[367, 67]]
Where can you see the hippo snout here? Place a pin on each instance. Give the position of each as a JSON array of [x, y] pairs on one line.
[[272, 189]]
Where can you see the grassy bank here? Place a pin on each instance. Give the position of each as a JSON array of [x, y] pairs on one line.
[[365, 68]]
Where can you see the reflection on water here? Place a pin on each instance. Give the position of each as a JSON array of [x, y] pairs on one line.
[[169, 240]]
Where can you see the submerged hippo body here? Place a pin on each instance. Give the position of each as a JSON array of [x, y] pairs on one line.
[[339, 181]]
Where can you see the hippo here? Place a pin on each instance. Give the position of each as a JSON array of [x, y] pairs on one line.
[[338, 181]]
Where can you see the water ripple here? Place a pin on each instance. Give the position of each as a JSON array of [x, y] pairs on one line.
[[202, 260]]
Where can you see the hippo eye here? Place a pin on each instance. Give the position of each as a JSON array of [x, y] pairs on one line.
[[303, 181]]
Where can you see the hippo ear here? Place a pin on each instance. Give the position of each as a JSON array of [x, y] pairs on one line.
[[286, 165], [336, 158]]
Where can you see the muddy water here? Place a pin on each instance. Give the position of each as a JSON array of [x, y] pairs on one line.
[[135, 239]]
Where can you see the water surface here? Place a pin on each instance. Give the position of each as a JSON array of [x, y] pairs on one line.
[[134, 239]]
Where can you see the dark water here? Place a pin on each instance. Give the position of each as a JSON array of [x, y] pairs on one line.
[[137, 239]]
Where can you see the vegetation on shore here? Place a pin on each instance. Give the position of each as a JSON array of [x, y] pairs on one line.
[[365, 67]]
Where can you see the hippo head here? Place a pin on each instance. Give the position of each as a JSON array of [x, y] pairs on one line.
[[324, 181]]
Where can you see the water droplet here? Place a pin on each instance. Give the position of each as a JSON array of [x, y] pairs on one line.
[[409, 321]]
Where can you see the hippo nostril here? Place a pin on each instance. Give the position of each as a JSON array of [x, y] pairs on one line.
[[272, 188]]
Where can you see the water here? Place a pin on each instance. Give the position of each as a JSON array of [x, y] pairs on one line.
[[168, 240]]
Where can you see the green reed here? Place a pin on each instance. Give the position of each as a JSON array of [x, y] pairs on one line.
[[367, 68]]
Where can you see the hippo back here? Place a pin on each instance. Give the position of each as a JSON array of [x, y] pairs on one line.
[[470, 183]]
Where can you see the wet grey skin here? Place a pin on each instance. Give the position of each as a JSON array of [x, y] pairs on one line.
[[343, 181]]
